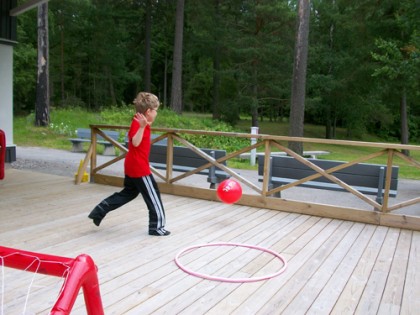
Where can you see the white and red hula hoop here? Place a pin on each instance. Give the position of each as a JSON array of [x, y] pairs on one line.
[[223, 279]]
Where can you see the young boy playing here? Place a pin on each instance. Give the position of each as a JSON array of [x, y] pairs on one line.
[[138, 176]]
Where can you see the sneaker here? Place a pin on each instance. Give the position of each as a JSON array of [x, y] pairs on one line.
[[161, 232], [96, 216], [96, 221]]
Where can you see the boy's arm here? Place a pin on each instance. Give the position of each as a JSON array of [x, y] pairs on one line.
[[141, 119]]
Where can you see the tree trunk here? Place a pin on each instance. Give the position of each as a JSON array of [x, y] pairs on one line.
[[42, 114], [259, 22], [216, 84], [254, 108], [165, 81], [405, 135], [147, 58], [297, 106], [176, 94], [328, 127], [216, 67], [62, 57], [329, 115], [111, 85]]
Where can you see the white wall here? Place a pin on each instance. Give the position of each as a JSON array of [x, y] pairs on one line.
[[6, 93]]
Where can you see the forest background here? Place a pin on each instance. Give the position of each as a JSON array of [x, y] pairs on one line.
[[237, 59]]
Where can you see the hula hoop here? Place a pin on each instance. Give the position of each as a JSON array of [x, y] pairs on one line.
[[233, 280]]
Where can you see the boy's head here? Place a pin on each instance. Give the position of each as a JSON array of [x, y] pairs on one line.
[[145, 101]]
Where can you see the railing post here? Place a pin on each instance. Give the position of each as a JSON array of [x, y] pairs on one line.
[[267, 168], [169, 157], [93, 159], [212, 172], [254, 131], [388, 178]]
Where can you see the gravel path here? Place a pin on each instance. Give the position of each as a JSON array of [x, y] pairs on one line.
[[52, 161], [61, 168]]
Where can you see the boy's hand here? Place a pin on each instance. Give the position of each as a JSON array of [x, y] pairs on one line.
[[141, 119]]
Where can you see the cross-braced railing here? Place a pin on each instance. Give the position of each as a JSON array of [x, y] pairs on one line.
[[263, 195]]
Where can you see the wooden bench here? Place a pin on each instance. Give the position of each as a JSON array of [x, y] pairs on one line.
[[366, 178], [84, 135], [185, 160]]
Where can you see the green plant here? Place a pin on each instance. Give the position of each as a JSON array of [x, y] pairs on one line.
[[65, 121]]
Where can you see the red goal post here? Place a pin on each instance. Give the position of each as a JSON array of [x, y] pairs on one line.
[[80, 272]]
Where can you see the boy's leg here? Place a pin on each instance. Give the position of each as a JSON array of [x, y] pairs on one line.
[[114, 201], [151, 195]]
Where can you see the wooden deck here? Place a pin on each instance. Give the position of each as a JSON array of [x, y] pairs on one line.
[[334, 266]]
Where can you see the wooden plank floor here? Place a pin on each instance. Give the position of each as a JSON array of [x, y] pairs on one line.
[[334, 266]]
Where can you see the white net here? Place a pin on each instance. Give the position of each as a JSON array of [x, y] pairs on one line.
[[26, 293], [48, 284]]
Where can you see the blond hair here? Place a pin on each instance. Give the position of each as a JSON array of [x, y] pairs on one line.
[[145, 101]]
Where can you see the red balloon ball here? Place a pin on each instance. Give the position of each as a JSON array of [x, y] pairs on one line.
[[229, 191]]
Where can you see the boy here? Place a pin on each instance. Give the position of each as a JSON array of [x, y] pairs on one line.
[[138, 176]]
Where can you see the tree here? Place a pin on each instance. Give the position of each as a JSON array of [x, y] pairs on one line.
[[147, 58], [297, 101], [401, 66], [42, 112], [176, 94], [163, 21], [204, 46], [254, 41], [235, 57], [398, 62], [321, 106], [24, 60], [216, 64]]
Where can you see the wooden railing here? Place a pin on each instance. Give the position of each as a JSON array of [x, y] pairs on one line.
[[258, 194]]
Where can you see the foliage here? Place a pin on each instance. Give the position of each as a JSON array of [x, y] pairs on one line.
[[67, 120], [237, 60], [24, 60], [117, 115]]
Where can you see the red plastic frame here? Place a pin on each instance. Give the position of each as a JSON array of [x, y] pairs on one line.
[[80, 272], [2, 152]]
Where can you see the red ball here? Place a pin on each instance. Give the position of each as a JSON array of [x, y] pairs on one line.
[[229, 191]]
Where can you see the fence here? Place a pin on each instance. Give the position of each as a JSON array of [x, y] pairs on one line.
[[258, 194]]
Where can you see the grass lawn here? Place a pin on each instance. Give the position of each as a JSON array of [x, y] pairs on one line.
[[64, 123]]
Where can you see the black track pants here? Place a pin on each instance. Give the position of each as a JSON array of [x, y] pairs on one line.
[[147, 187]]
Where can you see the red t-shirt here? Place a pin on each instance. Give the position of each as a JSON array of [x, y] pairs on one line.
[[136, 162]]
